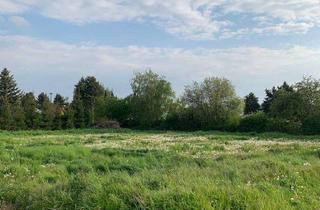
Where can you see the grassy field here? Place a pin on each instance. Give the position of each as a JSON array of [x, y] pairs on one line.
[[105, 169]]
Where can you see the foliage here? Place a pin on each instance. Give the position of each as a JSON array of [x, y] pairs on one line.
[[283, 125], [29, 106], [47, 111], [86, 94], [287, 105], [208, 105], [270, 95], [256, 122], [151, 98], [6, 119], [8, 87], [311, 125], [251, 104], [214, 103]]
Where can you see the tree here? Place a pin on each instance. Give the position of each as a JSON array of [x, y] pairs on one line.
[[42, 98], [309, 91], [9, 101], [29, 105], [47, 111], [18, 116], [60, 104], [287, 105], [270, 95], [214, 103], [78, 110], [151, 98], [6, 119], [119, 110], [251, 104], [68, 118], [298, 102], [8, 87], [88, 91]]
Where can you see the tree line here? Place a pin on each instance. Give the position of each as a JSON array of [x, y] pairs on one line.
[[211, 104]]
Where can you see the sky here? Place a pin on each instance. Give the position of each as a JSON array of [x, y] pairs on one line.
[[50, 44]]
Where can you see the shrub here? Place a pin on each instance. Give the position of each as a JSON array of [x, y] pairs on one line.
[[311, 125], [283, 125], [104, 123], [255, 122]]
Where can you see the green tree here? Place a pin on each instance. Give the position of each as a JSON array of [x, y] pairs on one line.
[[47, 111], [214, 103], [68, 118], [10, 102], [18, 116], [6, 119], [29, 105], [78, 110], [298, 102], [87, 92], [287, 105], [309, 91], [251, 104], [60, 104], [8, 87], [270, 95], [151, 98]]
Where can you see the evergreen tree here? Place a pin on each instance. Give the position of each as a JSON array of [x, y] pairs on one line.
[[251, 104], [9, 101], [42, 97], [270, 96], [60, 100], [8, 87], [86, 94]]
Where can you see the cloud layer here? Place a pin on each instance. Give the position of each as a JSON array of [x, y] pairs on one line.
[[189, 19], [56, 66]]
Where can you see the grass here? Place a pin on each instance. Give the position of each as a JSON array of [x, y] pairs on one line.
[[124, 169]]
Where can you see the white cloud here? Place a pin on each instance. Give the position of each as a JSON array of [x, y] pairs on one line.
[[46, 65], [190, 19], [19, 21], [11, 6]]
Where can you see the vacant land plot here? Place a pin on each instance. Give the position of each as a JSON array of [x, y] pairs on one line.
[[105, 169]]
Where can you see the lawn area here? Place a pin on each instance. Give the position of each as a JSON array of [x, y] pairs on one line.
[[124, 169]]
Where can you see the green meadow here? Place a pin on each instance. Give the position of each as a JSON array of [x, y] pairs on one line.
[[125, 169]]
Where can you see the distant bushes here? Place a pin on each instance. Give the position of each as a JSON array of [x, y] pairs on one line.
[[211, 104], [260, 122], [104, 123], [311, 125], [256, 122]]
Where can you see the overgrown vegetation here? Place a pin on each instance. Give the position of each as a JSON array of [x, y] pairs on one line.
[[123, 169], [208, 105]]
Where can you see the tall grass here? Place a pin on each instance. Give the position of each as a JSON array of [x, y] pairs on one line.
[[95, 169]]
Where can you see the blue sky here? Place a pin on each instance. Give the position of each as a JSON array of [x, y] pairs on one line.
[[256, 44]]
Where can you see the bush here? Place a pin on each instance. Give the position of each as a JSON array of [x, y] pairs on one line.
[[283, 125], [185, 120], [103, 123], [311, 125], [255, 122]]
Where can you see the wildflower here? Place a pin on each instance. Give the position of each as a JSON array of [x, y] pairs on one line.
[[307, 164]]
